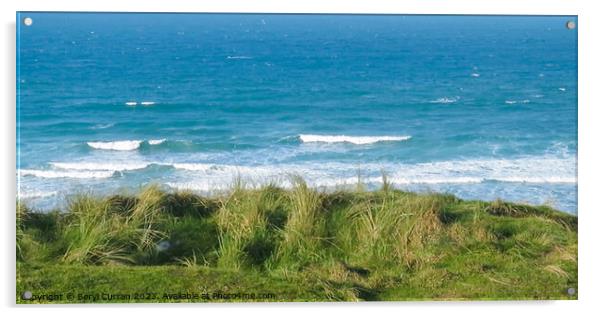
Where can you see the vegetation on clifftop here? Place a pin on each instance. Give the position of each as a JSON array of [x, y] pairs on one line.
[[298, 244]]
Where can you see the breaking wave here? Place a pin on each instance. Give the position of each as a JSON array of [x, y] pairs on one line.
[[118, 145], [358, 140], [445, 100], [100, 166], [97, 174], [124, 145]]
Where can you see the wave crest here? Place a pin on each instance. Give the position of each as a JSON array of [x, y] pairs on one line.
[[117, 145], [99, 166], [32, 194], [124, 145], [358, 140], [156, 141], [529, 170], [445, 100], [67, 174]]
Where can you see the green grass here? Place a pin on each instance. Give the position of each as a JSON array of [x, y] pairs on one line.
[[297, 244]]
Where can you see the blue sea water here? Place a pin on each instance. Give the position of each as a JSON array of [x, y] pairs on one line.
[[483, 107]]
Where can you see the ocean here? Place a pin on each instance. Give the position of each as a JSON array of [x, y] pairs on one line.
[[482, 107]]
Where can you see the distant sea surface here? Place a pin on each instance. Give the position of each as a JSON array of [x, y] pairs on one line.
[[481, 107]]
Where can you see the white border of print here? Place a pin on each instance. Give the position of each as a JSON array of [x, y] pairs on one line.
[[589, 147]]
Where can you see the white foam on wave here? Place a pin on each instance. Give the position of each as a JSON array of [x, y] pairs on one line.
[[456, 180], [131, 103], [557, 168], [117, 166], [445, 100], [524, 101], [228, 171], [146, 103], [193, 166], [199, 186], [32, 194], [543, 169], [156, 141], [117, 145], [124, 145], [530, 170], [358, 140], [67, 174], [548, 179], [333, 182]]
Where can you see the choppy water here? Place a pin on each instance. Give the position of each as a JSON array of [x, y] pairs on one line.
[[482, 107]]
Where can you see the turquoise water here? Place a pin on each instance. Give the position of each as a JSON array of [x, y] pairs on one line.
[[481, 107]]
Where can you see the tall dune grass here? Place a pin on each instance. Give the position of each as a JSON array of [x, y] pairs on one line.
[[390, 229], [96, 233], [302, 236]]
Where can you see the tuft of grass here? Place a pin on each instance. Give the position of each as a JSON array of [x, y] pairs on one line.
[[90, 233], [189, 262], [388, 228], [244, 237], [99, 232], [141, 223], [302, 236]]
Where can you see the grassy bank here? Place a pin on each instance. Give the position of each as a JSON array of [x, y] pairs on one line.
[[299, 244]]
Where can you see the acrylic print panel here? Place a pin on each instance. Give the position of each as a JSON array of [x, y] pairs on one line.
[[273, 157]]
